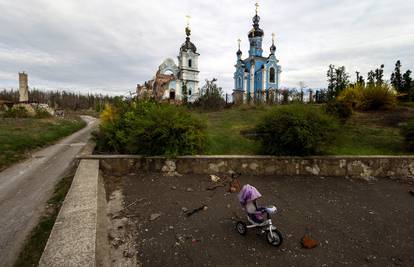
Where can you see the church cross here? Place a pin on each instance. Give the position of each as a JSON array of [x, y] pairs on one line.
[[188, 17]]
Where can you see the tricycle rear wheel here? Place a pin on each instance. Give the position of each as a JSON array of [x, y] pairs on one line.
[[241, 228]]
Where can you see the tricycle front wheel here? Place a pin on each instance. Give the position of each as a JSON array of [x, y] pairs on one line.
[[274, 237]]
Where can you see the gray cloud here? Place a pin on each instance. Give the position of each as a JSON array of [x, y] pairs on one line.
[[110, 45]]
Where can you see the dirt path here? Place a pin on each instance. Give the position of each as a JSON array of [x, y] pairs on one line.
[[26, 186]]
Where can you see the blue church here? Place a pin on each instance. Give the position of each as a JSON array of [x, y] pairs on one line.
[[257, 77]]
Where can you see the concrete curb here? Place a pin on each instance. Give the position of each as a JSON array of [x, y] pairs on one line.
[[79, 237]]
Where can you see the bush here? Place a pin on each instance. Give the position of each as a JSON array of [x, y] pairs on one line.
[[352, 96], [149, 128], [338, 109], [16, 112], [211, 98], [379, 97], [407, 131], [42, 113], [295, 130]]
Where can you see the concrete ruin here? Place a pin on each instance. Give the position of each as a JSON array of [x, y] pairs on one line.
[[23, 88]]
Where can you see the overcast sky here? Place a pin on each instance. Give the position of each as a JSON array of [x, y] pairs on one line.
[[111, 45]]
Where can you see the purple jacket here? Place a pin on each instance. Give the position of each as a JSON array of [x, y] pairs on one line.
[[248, 193]]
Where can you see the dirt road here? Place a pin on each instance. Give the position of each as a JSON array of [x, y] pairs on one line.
[[26, 187]]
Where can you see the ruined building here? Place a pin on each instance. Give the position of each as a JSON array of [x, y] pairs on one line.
[[23, 88], [174, 83], [257, 77]]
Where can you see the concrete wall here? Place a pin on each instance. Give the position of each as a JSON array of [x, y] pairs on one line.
[[79, 236], [362, 167]]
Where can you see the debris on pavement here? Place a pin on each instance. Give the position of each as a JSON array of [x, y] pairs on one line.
[[308, 242], [155, 216], [204, 207], [135, 202], [214, 178], [184, 209], [371, 258], [234, 186], [211, 188], [117, 242], [190, 189]]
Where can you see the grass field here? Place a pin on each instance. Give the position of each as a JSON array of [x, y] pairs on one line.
[[20, 136], [368, 133], [224, 131]]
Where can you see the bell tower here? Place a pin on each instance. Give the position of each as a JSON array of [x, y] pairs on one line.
[[256, 36], [188, 65]]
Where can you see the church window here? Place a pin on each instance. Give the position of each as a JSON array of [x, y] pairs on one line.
[[239, 80], [189, 92], [190, 63], [272, 75]]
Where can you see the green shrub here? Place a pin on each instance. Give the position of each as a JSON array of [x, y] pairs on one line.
[[352, 96], [407, 131], [379, 97], [211, 97], [338, 109], [16, 112], [295, 130], [42, 113], [149, 128]]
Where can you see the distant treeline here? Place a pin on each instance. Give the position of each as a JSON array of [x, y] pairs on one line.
[[60, 99]]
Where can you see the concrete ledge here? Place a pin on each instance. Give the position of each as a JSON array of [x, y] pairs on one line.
[[364, 167], [78, 236], [87, 150]]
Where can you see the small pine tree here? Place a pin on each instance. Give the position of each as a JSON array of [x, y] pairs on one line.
[[331, 81], [407, 82], [396, 78], [338, 80], [379, 76], [371, 78]]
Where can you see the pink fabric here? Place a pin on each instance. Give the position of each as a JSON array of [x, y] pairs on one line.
[[248, 193]]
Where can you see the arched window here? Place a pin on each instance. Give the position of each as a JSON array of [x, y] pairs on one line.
[[272, 75], [189, 91], [190, 63]]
